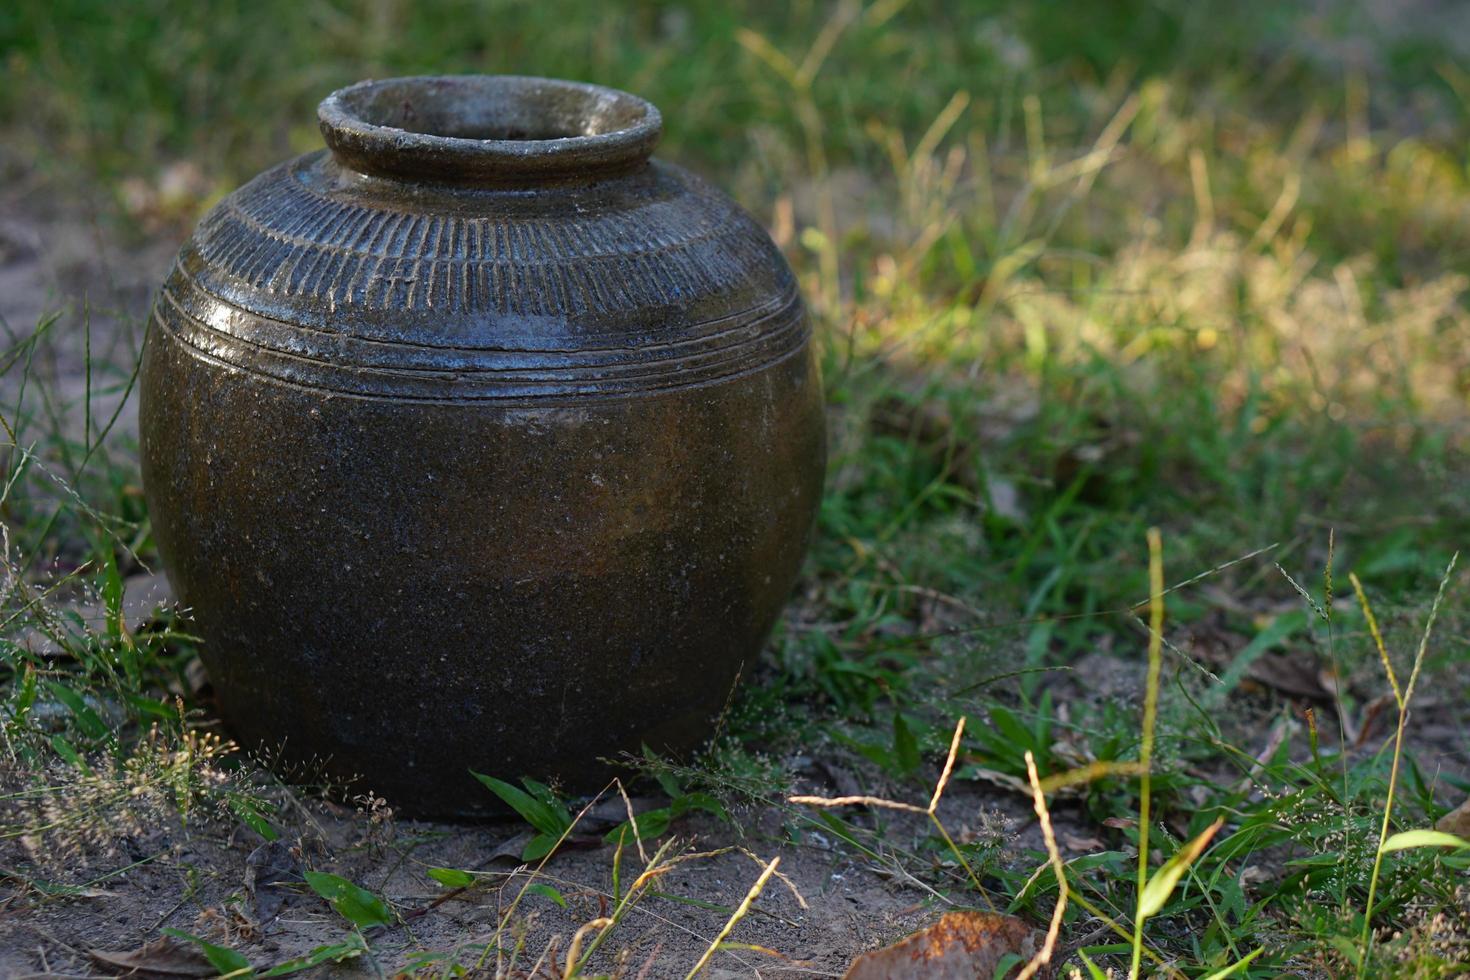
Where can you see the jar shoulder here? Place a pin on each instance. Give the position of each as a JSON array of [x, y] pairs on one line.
[[307, 242], [314, 275]]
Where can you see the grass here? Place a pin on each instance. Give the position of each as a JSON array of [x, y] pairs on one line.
[[1079, 270]]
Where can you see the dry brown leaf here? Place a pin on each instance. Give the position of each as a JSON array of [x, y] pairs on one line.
[[1298, 673], [1082, 844], [1456, 822], [164, 956], [960, 946], [1001, 779], [269, 867], [1376, 719]]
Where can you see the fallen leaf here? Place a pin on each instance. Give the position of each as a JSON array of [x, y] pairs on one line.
[[995, 778], [269, 866], [1298, 673], [1255, 876], [1456, 822], [613, 812], [163, 955], [1082, 844], [510, 850], [841, 778], [960, 946]]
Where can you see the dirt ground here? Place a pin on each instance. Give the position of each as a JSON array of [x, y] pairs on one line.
[[67, 256], [848, 910], [199, 880]]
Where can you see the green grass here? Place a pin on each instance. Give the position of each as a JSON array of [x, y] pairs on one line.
[[1078, 270]]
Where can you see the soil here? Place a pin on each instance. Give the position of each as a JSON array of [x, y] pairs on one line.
[[196, 881], [67, 255], [114, 879]]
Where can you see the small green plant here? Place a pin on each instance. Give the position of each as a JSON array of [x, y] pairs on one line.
[[231, 964], [357, 905], [361, 908], [539, 807]]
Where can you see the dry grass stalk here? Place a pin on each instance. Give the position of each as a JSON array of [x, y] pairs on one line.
[[1150, 717], [736, 916], [931, 811], [1038, 800], [1366, 942], [632, 820], [835, 801], [574, 951], [781, 877]]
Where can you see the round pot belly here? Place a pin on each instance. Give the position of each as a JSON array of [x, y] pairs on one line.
[[402, 591]]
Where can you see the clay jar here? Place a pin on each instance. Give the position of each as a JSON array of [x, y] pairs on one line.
[[481, 441]]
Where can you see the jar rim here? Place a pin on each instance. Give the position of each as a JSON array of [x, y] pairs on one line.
[[487, 129]]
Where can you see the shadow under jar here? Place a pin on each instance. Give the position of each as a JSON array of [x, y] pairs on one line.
[[482, 441]]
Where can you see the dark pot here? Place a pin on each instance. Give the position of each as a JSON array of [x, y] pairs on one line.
[[482, 442]]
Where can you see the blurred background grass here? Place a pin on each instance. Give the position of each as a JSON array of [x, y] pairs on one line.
[[1080, 267], [233, 86]]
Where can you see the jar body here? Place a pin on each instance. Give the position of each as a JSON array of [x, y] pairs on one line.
[[539, 520]]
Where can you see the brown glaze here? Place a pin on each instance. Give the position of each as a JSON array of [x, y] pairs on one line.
[[482, 442]]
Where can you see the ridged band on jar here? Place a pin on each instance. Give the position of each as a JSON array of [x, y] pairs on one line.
[[350, 365], [304, 277]]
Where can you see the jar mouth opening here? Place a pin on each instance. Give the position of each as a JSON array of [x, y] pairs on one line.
[[486, 128]]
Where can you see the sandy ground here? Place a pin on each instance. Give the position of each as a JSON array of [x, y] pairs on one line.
[[58, 257], [199, 880]]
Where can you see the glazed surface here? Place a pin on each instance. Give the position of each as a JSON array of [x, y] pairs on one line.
[[402, 592], [513, 479]]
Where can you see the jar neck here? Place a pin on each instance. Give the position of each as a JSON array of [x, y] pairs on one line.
[[487, 130]]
